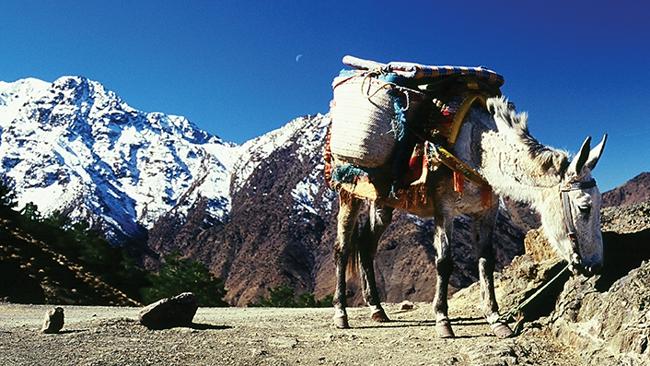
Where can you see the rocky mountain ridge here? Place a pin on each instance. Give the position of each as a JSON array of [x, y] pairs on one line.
[[76, 147], [635, 190]]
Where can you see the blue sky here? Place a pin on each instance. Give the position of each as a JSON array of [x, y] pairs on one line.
[[577, 67]]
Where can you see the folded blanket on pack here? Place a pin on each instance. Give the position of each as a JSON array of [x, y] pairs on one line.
[[411, 70]]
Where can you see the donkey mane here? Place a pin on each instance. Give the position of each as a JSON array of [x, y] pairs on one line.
[[545, 160]]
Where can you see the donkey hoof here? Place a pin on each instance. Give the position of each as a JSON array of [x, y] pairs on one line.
[[341, 322], [443, 328], [502, 330], [380, 316]]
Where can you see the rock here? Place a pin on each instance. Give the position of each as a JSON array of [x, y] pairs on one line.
[[611, 327], [177, 311], [53, 321], [537, 246], [406, 305], [605, 318]]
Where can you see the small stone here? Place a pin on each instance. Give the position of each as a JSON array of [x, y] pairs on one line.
[[53, 321], [177, 311], [406, 305]]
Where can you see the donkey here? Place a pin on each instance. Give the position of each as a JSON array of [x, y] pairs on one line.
[[496, 142]]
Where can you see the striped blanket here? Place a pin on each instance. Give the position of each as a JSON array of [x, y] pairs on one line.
[[415, 71]]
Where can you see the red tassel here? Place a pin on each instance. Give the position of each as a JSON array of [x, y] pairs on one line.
[[486, 196], [459, 182]]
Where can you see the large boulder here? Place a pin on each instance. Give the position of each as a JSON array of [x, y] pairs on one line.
[[177, 311], [628, 219]]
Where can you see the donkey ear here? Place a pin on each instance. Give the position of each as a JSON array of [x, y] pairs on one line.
[[595, 153], [578, 162]]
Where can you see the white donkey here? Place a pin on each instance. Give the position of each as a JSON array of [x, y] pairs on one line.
[[497, 144]]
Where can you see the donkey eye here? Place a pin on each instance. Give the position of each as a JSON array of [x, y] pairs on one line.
[[584, 210]]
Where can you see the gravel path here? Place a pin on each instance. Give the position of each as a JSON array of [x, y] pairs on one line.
[[263, 336]]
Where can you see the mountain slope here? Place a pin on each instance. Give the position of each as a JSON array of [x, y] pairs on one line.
[[281, 210], [76, 147], [33, 271], [635, 190]]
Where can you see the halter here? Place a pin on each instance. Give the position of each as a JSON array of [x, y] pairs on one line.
[[568, 216]]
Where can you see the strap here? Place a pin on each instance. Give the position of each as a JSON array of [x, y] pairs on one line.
[[460, 115], [458, 165], [575, 186]]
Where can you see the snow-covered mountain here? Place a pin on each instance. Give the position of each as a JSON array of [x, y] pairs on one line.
[[74, 146], [307, 134]]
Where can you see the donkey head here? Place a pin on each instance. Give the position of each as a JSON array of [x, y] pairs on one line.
[[574, 223], [570, 201]]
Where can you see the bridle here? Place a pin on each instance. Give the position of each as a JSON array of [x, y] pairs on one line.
[[568, 215]]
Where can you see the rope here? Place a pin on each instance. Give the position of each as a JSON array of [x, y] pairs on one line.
[[371, 75], [516, 314]]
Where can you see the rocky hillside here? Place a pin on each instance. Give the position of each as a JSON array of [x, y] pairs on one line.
[[33, 271], [635, 190], [604, 319]]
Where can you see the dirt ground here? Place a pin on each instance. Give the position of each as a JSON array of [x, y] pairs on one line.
[[264, 336]]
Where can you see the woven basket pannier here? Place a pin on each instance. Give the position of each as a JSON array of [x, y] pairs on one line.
[[367, 119]]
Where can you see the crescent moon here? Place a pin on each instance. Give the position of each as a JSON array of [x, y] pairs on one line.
[[298, 57]]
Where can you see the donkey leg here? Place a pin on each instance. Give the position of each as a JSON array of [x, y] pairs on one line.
[[346, 221], [379, 219], [485, 232], [444, 266]]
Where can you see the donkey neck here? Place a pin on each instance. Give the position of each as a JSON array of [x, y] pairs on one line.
[[505, 162], [512, 170]]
